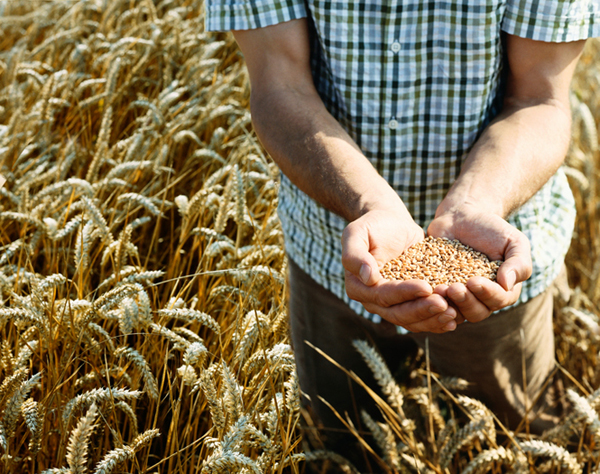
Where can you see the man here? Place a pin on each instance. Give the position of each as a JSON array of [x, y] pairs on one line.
[[391, 117]]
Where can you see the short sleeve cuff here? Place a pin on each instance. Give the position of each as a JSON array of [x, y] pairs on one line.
[[554, 21], [227, 15]]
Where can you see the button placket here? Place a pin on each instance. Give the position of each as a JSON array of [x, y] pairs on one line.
[[395, 48]]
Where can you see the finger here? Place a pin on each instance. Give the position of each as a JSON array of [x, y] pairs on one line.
[[426, 314], [459, 317], [469, 306], [517, 266], [386, 293], [491, 294], [356, 257], [439, 324]]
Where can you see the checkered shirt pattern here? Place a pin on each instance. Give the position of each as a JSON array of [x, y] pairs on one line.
[[414, 82]]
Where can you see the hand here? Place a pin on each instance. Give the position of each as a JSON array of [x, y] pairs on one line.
[[367, 244], [492, 235]]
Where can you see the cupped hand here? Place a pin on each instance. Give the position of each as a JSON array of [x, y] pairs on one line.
[[367, 244], [492, 235]]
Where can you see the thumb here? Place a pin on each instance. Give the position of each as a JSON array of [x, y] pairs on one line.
[[517, 266], [356, 257]]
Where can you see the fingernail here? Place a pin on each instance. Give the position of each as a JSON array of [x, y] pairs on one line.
[[422, 294], [511, 278], [476, 289], [445, 318], [460, 297], [451, 326], [435, 309], [365, 273]]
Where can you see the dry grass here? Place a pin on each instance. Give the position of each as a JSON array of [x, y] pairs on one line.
[[141, 264], [142, 272]]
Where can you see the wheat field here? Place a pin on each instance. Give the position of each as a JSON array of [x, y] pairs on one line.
[[142, 272]]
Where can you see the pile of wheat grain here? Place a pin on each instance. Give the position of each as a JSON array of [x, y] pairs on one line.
[[440, 261]]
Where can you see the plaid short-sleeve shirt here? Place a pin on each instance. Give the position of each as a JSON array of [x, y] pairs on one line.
[[414, 82]]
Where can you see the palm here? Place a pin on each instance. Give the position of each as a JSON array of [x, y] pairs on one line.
[[367, 244], [489, 234], [389, 236]]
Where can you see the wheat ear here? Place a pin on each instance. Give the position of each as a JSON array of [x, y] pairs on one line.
[[120, 455], [553, 452], [143, 367], [33, 413], [77, 448], [382, 374], [324, 455], [383, 436]]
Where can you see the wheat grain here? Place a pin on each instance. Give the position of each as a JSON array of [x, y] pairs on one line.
[[239, 294], [191, 315], [589, 132], [292, 393], [440, 261]]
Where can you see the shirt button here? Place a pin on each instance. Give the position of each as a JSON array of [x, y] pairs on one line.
[[393, 124], [396, 47]]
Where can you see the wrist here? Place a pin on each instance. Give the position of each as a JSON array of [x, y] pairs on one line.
[[466, 199], [382, 198]]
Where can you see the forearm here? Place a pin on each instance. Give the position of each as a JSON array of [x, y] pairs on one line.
[[514, 157], [316, 154], [524, 146]]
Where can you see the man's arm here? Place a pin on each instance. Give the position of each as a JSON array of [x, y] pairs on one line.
[[515, 156], [317, 155], [308, 144]]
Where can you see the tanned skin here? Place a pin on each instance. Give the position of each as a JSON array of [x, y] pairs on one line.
[[516, 154]]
